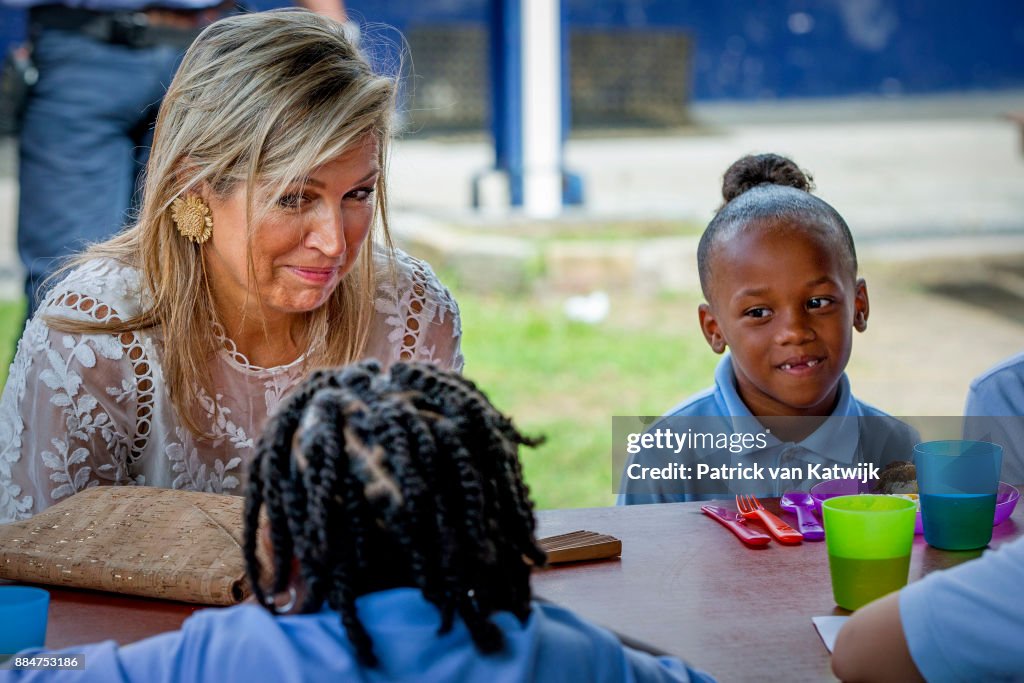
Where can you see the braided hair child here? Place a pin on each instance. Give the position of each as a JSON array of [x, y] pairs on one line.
[[373, 480], [783, 297], [395, 520]]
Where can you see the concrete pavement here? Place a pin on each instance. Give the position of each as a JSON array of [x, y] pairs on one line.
[[933, 190], [911, 176], [909, 170]]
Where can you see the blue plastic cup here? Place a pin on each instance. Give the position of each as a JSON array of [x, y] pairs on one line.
[[958, 481], [23, 613]]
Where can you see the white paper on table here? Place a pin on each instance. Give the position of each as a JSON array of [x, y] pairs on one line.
[[828, 629]]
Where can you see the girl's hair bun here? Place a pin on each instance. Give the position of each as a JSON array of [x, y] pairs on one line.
[[763, 169]]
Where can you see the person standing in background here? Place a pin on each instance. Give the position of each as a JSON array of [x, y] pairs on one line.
[[103, 67], [995, 412], [261, 253]]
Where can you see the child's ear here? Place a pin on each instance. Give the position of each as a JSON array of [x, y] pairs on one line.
[[709, 326], [267, 545], [861, 307]]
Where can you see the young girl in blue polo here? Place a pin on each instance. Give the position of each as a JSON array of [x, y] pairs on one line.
[[778, 270], [402, 538]]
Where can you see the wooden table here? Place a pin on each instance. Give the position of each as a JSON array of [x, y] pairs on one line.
[[685, 585], [81, 616]]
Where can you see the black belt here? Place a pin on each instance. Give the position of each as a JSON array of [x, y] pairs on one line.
[[131, 29]]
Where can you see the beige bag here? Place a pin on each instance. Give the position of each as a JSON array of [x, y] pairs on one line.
[[157, 543]]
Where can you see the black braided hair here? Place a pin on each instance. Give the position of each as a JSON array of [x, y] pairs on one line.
[[377, 479], [764, 189]]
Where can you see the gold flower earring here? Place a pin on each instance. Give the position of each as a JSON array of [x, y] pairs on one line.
[[191, 216]]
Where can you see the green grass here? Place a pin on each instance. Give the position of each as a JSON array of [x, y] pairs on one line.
[[567, 380], [12, 313], [554, 231], [560, 379]]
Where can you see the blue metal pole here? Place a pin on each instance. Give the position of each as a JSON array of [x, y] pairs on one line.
[[572, 183], [506, 93], [506, 46]]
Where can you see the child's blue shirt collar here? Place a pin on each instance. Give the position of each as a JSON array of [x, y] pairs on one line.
[[836, 439]]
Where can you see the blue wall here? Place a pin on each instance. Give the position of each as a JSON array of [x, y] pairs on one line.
[[808, 48], [749, 49]]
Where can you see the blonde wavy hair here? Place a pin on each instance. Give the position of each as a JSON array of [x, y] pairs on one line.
[[259, 100]]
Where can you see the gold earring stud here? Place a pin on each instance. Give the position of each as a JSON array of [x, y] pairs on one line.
[[191, 216]]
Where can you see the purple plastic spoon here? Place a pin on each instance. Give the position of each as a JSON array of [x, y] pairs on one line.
[[801, 504]]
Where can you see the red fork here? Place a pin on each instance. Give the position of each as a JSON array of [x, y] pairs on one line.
[[751, 508]]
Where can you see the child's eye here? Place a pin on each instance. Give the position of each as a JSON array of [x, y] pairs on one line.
[[819, 302], [293, 201], [361, 194], [758, 312]]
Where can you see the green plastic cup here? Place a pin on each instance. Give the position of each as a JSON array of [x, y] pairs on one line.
[[869, 540]]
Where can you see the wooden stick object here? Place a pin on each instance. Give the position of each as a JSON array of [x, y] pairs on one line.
[[581, 545]]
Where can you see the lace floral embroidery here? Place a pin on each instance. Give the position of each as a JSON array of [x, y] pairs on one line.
[[141, 389], [275, 389], [240, 359], [81, 410], [223, 428], [418, 303], [13, 505], [82, 415], [193, 473]]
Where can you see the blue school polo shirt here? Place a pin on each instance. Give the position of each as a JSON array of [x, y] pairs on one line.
[[246, 644], [995, 412], [855, 433], [967, 623]]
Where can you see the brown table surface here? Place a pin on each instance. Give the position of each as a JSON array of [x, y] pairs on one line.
[[81, 616], [685, 585]]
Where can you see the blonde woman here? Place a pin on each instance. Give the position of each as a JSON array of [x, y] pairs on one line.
[[261, 252]]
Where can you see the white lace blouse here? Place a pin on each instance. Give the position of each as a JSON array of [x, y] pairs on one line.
[[83, 410]]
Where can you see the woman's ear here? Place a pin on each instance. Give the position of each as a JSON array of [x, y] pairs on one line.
[[185, 175], [709, 326], [861, 307]]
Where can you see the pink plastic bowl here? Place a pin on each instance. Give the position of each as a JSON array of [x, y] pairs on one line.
[[1006, 497]]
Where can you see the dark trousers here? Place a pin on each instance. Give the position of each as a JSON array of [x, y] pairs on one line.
[[85, 140]]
